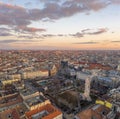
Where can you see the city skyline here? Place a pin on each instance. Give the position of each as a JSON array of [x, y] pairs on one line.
[[60, 24]]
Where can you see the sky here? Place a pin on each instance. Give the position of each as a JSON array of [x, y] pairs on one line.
[[60, 24]]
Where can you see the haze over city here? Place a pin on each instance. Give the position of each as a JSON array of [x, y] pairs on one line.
[[60, 24], [59, 59]]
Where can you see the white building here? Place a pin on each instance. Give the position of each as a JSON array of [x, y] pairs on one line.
[[82, 75]]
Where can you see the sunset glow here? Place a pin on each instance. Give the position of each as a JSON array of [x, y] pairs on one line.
[[60, 24]]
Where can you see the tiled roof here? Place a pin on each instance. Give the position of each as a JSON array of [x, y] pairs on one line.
[[53, 112], [11, 113], [97, 111], [98, 66]]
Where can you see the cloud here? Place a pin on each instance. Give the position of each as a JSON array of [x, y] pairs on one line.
[[13, 15], [86, 42], [42, 36], [28, 3], [116, 41], [30, 36], [47, 20], [55, 9], [94, 31], [17, 41], [84, 32], [5, 32], [53, 35], [116, 2], [31, 29], [19, 18], [52, 9], [78, 35], [61, 35], [8, 41], [98, 31], [48, 35], [49, 1], [4, 29]]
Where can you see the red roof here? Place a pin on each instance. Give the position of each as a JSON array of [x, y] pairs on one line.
[[53, 112], [98, 66], [11, 112]]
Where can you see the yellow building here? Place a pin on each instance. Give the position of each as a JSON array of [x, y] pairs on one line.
[[105, 103], [36, 102], [34, 74], [15, 76], [9, 81]]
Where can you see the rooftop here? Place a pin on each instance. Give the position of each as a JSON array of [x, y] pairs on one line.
[[97, 111], [35, 100], [10, 114], [11, 100], [27, 91], [45, 112]]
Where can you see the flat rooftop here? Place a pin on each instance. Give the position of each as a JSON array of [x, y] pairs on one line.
[[35, 100], [27, 91]]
